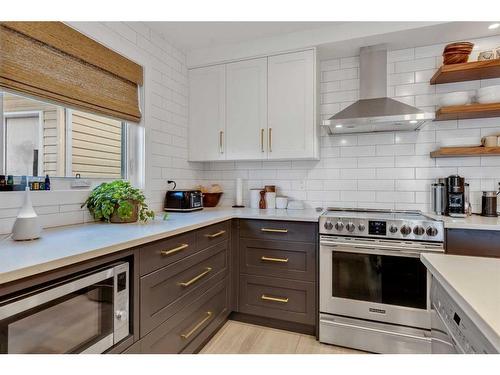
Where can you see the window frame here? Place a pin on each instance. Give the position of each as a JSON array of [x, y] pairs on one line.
[[133, 142]]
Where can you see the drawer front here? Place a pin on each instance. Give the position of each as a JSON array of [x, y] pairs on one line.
[[278, 230], [294, 301], [167, 290], [212, 235], [200, 317], [164, 252], [296, 260]]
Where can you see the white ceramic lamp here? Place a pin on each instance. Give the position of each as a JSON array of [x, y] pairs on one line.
[[27, 225]]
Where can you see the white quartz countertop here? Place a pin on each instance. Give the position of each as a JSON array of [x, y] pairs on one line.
[[63, 246], [474, 284], [469, 222]]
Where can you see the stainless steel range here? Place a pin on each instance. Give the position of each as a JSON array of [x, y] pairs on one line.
[[374, 290]]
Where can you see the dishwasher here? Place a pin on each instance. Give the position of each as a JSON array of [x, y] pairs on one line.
[[452, 331]]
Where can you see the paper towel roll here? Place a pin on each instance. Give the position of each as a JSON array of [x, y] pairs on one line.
[[239, 192]]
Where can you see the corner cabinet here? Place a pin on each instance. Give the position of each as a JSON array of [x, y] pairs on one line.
[[292, 106], [256, 109]]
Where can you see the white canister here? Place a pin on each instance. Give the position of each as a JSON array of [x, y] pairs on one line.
[[281, 202], [270, 199], [255, 198]]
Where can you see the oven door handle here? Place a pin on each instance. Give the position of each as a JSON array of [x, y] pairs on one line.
[[47, 295], [370, 249]]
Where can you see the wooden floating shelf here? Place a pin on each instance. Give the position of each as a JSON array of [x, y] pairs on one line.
[[449, 152], [467, 71], [468, 111]]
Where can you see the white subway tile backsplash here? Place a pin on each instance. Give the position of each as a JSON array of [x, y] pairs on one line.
[[376, 139], [357, 151], [415, 65], [337, 75], [414, 89]]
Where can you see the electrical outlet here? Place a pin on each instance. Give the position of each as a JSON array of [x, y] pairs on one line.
[[79, 183]]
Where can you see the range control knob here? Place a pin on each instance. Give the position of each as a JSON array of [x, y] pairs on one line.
[[431, 231], [393, 229], [339, 226], [405, 230], [361, 227], [328, 225], [350, 227], [418, 230]]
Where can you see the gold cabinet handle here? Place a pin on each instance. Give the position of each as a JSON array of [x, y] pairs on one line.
[[277, 260], [274, 230], [197, 326], [214, 235], [274, 299], [270, 140], [175, 249], [196, 278], [262, 140], [221, 141]]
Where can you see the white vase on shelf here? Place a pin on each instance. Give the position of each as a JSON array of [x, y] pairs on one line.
[[27, 225]]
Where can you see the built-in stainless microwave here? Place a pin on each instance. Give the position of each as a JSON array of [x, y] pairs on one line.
[[88, 313]]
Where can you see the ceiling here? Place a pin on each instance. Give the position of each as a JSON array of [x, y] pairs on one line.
[[193, 35]]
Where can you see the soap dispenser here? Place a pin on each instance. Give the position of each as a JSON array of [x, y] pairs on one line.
[[27, 225]]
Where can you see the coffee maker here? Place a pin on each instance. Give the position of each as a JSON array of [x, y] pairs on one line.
[[457, 199]]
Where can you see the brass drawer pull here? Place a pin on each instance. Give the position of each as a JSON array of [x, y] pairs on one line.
[[278, 260], [274, 299], [219, 233], [197, 326], [196, 278], [175, 249], [274, 230]]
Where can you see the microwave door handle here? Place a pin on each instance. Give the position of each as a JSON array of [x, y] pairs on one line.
[[47, 295]]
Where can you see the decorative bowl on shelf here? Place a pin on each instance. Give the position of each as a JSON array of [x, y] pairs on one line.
[[211, 199], [489, 94], [454, 98], [457, 53]]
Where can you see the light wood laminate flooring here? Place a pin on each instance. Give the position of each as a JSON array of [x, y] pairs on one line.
[[243, 338]]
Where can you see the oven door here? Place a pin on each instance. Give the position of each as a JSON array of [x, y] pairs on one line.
[[74, 316], [380, 280]]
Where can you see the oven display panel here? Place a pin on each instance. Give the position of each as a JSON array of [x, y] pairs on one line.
[[378, 228]]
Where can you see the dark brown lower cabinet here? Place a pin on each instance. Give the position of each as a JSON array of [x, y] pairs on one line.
[[283, 299], [473, 242], [167, 290], [191, 326]]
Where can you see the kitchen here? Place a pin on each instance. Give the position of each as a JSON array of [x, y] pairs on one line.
[[294, 188]]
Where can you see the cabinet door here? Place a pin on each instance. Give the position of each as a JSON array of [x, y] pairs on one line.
[[207, 113], [292, 106], [246, 109]]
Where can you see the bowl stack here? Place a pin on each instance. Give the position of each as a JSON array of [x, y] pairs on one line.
[[457, 53], [490, 94]]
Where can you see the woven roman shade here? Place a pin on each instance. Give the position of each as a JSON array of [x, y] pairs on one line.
[[52, 61]]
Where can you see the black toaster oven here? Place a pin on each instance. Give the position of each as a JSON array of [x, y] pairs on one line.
[[183, 200]]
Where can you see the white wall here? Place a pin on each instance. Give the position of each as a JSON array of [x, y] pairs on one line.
[[381, 170], [165, 122]]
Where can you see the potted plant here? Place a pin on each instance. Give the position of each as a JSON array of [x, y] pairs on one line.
[[118, 202]]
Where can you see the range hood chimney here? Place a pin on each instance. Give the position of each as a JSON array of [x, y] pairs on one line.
[[374, 111]]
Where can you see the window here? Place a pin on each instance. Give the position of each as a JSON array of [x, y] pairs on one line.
[[40, 138]]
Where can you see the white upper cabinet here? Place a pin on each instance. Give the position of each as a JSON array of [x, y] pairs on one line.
[[292, 124], [246, 110], [207, 113], [256, 109]]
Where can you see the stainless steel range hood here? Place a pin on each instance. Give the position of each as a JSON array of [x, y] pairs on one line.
[[375, 112]]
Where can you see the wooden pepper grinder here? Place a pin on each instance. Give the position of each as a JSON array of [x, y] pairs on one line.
[[262, 202]]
